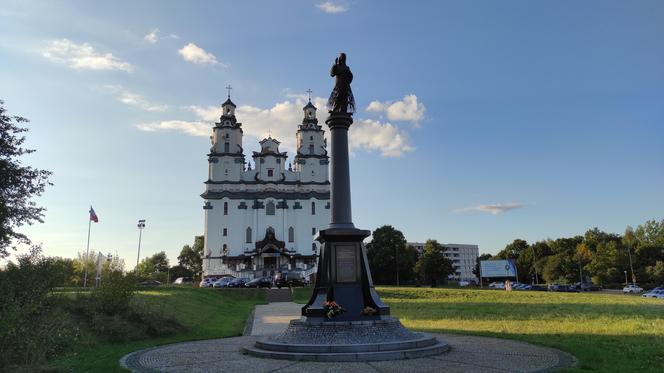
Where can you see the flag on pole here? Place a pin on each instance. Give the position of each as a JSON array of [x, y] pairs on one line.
[[93, 215]]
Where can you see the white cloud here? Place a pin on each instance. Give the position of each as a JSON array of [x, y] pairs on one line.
[[332, 8], [408, 109], [152, 36], [133, 99], [189, 128], [193, 53], [83, 56], [494, 209], [281, 122]]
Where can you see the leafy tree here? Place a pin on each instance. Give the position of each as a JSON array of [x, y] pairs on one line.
[[433, 266], [191, 258], [179, 271], [519, 251], [656, 272], [387, 251], [18, 183], [154, 267]]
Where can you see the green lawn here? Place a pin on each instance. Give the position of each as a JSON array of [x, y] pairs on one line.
[[205, 313], [615, 333]]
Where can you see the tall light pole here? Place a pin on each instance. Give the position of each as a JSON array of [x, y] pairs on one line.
[[141, 225], [625, 277]]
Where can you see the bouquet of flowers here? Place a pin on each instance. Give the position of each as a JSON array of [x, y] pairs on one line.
[[333, 309]]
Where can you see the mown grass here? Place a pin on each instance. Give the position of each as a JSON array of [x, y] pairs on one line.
[[607, 333], [204, 313]]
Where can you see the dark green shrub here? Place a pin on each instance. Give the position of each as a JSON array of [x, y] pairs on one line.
[[33, 326], [114, 294]]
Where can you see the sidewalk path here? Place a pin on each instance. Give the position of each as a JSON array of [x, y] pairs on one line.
[[467, 354], [274, 317]]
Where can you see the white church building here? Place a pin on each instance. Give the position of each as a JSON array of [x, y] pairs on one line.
[[263, 219]]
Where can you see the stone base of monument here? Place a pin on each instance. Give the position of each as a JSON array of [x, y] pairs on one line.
[[327, 341]]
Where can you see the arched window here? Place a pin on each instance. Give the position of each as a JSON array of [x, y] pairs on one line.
[[227, 147], [313, 208], [313, 247], [248, 235], [311, 148], [269, 208], [291, 234], [225, 208], [224, 250]]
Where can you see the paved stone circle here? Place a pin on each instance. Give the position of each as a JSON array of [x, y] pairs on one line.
[[466, 354]]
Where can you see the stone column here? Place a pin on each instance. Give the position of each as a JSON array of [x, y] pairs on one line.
[[339, 124]]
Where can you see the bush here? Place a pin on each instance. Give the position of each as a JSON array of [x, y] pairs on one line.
[[114, 294], [32, 325]]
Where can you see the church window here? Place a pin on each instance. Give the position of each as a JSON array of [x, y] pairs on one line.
[[270, 172], [248, 234], [313, 208], [225, 232], [227, 147], [311, 138], [226, 136], [269, 208], [224, 250], [225, 208], [311, 149], [291, 234], [313, 247], [313, 231], [226, 172]]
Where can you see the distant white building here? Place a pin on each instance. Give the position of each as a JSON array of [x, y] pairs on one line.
[[264, 219], [463, 257]]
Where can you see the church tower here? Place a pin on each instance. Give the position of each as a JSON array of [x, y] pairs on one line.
[[311, 160], [226, 155]]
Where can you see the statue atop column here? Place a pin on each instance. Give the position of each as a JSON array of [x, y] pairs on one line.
[[341, 99]]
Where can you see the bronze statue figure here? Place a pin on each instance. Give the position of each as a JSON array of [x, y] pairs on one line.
[[341, 99]]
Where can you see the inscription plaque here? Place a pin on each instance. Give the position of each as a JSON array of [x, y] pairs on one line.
[[346, 263]]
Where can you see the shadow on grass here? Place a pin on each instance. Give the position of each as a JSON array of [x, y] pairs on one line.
[[520, 311]]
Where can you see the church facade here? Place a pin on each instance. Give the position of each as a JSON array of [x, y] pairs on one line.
[[263, 219]]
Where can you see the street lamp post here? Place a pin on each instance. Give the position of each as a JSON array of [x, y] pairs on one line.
[[631, 267], [141, 225], [625, 277]]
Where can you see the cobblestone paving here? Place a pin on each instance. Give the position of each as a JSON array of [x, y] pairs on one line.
[[466, 354]]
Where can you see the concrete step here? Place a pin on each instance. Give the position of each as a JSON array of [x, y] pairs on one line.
[[412, 353], [279, 295], [424, 341]]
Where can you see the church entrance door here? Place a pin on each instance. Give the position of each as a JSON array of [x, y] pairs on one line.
[[270, 263]]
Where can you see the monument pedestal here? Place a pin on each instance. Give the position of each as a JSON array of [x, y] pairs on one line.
[[344, 277]]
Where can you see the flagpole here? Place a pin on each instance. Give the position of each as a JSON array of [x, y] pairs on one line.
[[87, 253]]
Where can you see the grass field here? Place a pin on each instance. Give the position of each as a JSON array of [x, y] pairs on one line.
[[205, 313], [607, 333]]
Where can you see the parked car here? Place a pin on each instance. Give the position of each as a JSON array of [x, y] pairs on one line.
[[207, 282], [183, 281], [290, 279], [632, 289], [587, 286], [654, 294], [222, 282], [149, 283], [538, 288], [261, 282], [237, 283]]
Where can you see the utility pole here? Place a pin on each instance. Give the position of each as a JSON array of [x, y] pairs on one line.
[[631, 267], [141, 225]]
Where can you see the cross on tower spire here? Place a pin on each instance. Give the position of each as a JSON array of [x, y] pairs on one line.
[[309, 92], [228, 88]]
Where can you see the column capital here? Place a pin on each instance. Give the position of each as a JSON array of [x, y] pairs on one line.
[[335, 120]]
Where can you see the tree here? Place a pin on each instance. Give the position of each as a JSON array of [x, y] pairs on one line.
[[387, 251], [154, 267], [191, 257], [519, 251], [433, 266], [18, 183]]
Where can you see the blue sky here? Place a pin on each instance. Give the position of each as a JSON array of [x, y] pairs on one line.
[[478, 122]]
